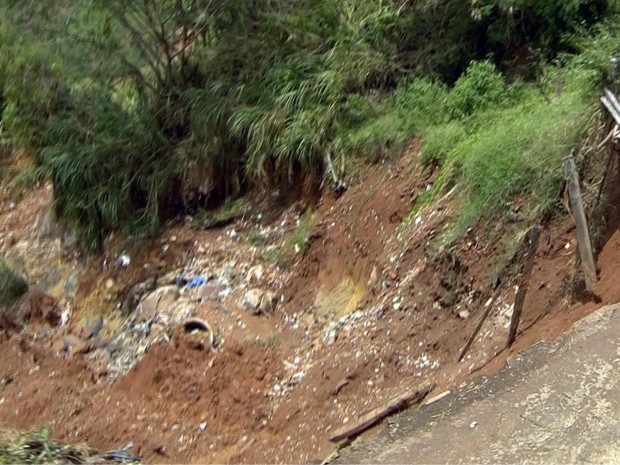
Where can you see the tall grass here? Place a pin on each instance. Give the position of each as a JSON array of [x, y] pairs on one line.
[[513, 158], [503, 144]]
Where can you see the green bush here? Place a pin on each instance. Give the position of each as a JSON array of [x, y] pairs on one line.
[[421, 102], [508, 157], [480, 88]]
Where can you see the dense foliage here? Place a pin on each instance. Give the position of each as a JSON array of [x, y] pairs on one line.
[[139, 109]]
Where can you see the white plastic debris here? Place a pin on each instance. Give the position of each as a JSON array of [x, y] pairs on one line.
[[123, 261]]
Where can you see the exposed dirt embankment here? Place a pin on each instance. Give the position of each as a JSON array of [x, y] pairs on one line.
[[306, 337]]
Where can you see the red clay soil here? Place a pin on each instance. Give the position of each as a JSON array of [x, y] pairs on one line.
[[183, 403], [177, 399]]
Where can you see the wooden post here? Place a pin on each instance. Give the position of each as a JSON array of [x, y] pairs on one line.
[[581, 223]]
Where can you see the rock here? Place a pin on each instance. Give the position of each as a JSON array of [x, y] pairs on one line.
[[297, 377], [255, 274], [115, 346], [252, 300], [463, 314], [180, 311], [211, 291], [135, 294], [158, 301], [85, 333], [269, 302], [59, 345], [168, 279], [92, 328], [80, 348], [71, 285], [373, 279], [258, 301], [158, 331], [96, 326], [51, 278], [47, 226], [109, 284]]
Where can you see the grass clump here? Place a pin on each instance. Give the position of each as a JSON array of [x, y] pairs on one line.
[[37, 448]]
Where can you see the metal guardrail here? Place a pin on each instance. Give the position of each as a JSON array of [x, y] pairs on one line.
[[610, 101]]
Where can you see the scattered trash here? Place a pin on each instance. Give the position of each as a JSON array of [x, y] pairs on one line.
[[123, 261], [196, 324], [192, 283], [120, 455], [473, 424], [197, 282], [463, 314], [297, 377], [331, 333]]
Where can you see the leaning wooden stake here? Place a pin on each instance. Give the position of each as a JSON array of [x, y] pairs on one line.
[[534, 235], [581, 223], [374, 416], [478, 327]]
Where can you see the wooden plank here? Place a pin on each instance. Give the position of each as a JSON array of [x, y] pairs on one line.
[[375, 415], [534, 235], [581, 223]]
